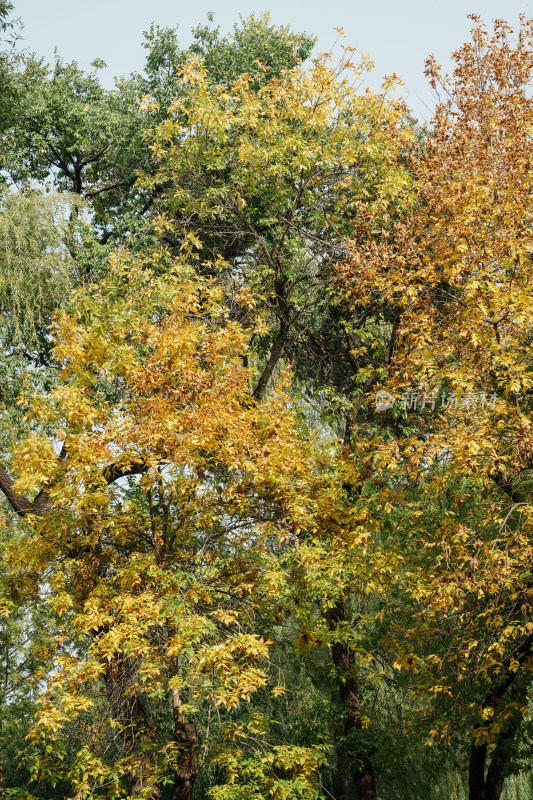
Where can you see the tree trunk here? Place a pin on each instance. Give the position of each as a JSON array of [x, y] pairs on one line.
[[274, 357], [490, 786], [357, 774], [128, 711], [476, 772], [186, 737]]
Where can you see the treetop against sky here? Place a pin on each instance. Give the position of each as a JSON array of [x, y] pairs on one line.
[[397, 36]]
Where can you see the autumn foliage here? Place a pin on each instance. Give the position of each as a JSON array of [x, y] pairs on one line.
[[459, 272], [230, 568]]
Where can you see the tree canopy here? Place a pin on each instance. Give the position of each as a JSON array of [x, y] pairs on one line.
[[266, 424]]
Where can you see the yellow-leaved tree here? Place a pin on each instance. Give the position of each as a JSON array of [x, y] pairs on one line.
[[271, 182], [163, 500]]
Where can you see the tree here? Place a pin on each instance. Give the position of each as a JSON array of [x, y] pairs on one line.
[[255, 48], [459, 271], [156, 584], [93, 142], [8, 95], [269, 180], [36, 267], [229, 567], [84, 139], [82, 167]]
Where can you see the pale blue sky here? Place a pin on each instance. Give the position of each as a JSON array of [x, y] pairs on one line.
[[397, 35]]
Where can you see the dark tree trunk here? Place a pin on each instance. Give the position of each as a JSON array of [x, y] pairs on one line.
[[494, 783], [496, 771], [489, 786], [283, 313], [476, 772], [357, 774], [274, 357]]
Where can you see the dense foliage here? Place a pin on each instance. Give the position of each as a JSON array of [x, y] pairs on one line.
[[266, 424]]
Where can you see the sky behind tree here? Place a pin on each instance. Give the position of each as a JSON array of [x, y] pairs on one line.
[[397, 35]]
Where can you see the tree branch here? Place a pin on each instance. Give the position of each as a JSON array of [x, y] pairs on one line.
[[19, 502], [41, 505], [107, 188]]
